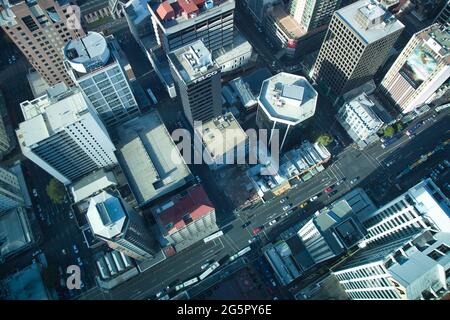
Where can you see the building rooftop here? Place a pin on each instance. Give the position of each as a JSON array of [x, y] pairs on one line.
[[149, 158], [15, 233], [50, 113], [92, 183], [27, 284], [287, 22], [369, 20], [192, 61], [106, 215], [438, 39], [221, 135], [37, 84], [183, 209], [288, 98], [88, 52], [173, 14]]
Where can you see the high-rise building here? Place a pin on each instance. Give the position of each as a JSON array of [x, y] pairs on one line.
[[180, 22], [113, 220], [313, 14], [424, 206], [63, 135], [197, 78], [258, 8], [6, 144], [285, 102], [444, 15], [357, 43], [420, 69], [10, 192], [97, 66], [414, 267], [40, 29]]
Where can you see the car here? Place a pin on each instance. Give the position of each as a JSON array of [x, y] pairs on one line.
[[341, 181], [288, 213], [39, 208], [273, 282], [283, 200], [287, 207], [79, 261], [328, 189], [271, 223], [204, 266], [63, 251], [447, 163], [354, 180], [312, 199], [295, 185], [198, 179], [35, 193], [245, 225], [332, 193], [161, 293], [304, 204], [75, 249], [70, 214], [256, 230]]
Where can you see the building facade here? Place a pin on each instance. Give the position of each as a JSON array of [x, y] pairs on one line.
[[420, 69], [10, 192], [258, 8], [356, 44], [444, 16], [5, 140], [359, 119], [96, 66], [64, 136], [424, 206], [40, 29], [313, 14], [285, 102], [180, 22], [112, 220], [186, 218], [409, 268], [197, 79]]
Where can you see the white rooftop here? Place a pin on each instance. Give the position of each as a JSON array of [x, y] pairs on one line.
[[192, 60], [369, 20], [92, 183], [50, 113], [288, 98], [221, 135], [106, 215], [87, 52]]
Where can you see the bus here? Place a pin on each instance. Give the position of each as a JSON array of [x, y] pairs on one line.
[[208, 271], [152, 96]]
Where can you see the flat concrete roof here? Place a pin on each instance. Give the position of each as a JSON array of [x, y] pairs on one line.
[[369, 20], [288, 24], [288, 98], [149, 158]]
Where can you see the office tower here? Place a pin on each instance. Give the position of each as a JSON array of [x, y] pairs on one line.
[[424, 206], [197, 79], [409, 268], [180, 22], [258, 8], [40, 29], [63, 135], [96, 65], [311, 14], [115, 222], [357, 43], [285, 102], [444, 15], [420, 69], [360, 120], [10, 192]]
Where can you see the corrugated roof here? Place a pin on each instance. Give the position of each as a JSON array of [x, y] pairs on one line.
[[165, 11]]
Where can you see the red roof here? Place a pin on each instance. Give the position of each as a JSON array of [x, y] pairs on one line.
[[165, 11], [195, 203], [188, 6], [199, 3]]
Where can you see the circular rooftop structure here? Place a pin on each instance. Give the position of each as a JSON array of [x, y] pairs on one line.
[[287, 98], [87, 53]]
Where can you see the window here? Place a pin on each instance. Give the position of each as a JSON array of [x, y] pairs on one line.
[[443, 248], [435, 255]]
